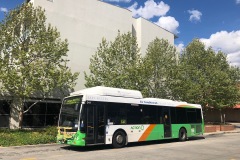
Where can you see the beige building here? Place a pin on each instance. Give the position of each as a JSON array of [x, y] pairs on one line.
[[85, 22]]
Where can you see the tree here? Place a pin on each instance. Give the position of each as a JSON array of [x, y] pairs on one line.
[[116, 64], [33, 61], [205, 77], [159, 63]]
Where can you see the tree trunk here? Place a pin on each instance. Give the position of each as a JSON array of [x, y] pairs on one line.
[[16, 114]]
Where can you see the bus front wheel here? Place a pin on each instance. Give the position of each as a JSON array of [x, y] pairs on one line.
[[119, 139], [182, 134]]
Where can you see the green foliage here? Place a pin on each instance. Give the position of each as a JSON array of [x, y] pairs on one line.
[[27, 137], [116, 64], [33, 59], [159, 63], [200, 75], [205, 77]]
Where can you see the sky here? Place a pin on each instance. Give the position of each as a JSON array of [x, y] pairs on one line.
[[214, 22]]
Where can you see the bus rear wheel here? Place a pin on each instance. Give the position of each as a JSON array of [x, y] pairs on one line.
[[182, 135], [119, 139]]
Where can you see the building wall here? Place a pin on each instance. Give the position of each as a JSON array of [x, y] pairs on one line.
[[148, 31], [231, 115], [85, 22]]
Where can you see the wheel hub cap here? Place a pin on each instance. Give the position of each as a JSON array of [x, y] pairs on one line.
[[119, 139]]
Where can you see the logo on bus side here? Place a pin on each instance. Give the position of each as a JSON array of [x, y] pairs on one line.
[[148, 102], [138, 127]]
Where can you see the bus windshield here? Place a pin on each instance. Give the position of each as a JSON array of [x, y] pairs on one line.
[[69, 115]]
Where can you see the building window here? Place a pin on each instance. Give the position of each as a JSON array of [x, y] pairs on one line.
[[4, 114], [41, 115]]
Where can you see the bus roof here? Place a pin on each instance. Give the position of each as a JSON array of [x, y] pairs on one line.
[[109, 91], [108, 94], [168, 102]]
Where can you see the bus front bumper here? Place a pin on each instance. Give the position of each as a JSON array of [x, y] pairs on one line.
[[76, 139]]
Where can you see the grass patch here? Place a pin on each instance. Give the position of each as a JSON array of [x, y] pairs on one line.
[[27, 137]]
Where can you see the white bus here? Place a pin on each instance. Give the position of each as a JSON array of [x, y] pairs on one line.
[[104, 115]]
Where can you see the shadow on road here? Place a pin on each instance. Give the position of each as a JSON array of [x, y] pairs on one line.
[[134, 144]]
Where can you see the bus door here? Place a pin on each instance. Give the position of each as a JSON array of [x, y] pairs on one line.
[[166, 122], [95, 128]]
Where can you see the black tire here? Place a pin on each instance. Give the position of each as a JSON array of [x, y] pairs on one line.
[[182, 136], [119, 139]]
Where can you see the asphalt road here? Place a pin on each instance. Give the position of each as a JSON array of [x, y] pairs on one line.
[[214, 147]]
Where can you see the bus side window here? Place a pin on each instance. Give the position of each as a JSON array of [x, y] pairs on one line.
[[117, 113]]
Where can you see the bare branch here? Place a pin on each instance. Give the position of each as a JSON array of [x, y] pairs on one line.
[[33, 105]]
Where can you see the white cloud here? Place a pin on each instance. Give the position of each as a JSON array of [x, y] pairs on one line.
[[3, 9], [234, 58], [228, 42], [150, 9], [133, 8], [195, 15], [238, 1], [180, 46], [124, 1], [169, 23]]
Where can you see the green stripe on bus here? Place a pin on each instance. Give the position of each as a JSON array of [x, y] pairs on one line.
[[157, 133]]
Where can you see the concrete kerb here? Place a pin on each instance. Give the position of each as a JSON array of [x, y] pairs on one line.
[[32, 146]]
